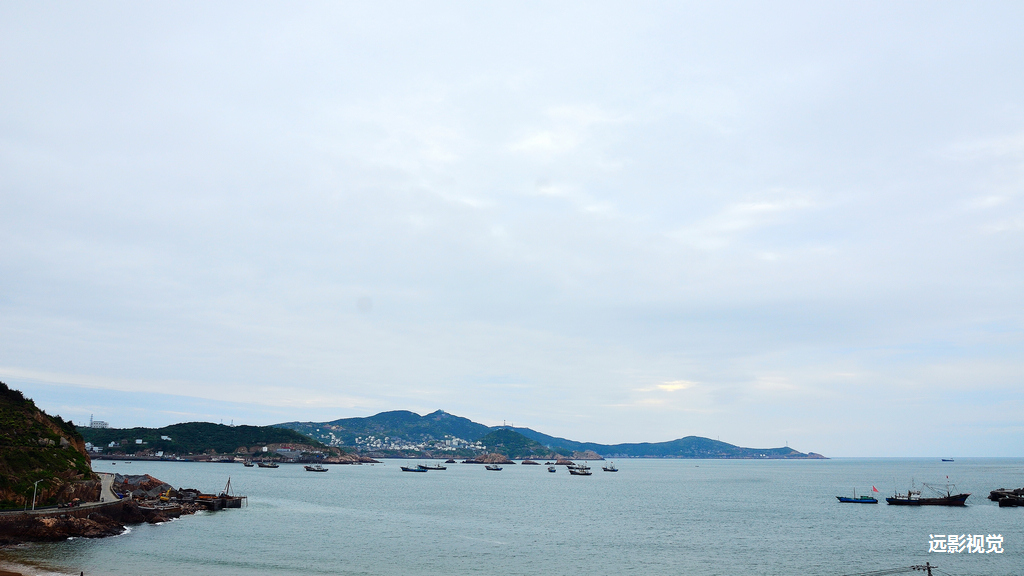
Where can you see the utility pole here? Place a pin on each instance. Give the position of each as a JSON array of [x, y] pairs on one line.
[[34, 492]]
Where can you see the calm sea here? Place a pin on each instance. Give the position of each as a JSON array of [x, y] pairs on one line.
[[653, 517]]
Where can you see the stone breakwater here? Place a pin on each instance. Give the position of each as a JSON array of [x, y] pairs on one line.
[[83, 522]]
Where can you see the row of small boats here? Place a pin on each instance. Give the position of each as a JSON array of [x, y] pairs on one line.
[[268, 464], [574, 469]]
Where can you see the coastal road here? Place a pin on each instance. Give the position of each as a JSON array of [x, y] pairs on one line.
[[106, 491]]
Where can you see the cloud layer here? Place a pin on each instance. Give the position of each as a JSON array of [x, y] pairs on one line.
[[790, 222]]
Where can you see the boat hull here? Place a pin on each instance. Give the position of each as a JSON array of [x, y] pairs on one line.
[[860, 500], [951, 500]]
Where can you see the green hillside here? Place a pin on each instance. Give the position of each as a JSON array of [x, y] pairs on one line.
[[515, 445], [36, 446], [409, 426], [193, 438]]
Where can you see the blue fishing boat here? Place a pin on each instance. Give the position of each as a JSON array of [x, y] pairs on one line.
[[859, 499]]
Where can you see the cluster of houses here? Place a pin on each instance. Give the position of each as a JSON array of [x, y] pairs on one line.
[[449, 444]]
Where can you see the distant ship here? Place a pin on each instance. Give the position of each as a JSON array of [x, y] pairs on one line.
[[267, 464], [316, 468], [493, 467], [408, 469]]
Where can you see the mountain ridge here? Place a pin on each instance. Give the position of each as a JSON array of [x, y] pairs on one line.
[[385, 432]]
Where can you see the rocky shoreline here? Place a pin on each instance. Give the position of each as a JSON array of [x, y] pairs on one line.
[[142, 504]]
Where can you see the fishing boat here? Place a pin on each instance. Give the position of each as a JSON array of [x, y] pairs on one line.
[[580, 470], [551, 469], [913, 497], [610, 467], [410, 469], [947, 459], [859, 499], [267, 464], [493, 467], [316, 468], [248, 464], [434, 467]]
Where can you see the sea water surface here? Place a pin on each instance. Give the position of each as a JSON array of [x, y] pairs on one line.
[[653, 517]]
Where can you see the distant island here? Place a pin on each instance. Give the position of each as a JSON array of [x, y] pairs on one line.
[[404, 434]]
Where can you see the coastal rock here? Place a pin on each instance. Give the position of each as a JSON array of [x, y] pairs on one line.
[[530, 463], [490, 458], [586, 455], [26, 528]]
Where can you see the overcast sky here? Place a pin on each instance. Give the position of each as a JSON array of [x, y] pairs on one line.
[[767, 222]]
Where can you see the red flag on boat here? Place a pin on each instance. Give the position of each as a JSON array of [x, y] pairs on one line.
[[873, 489]]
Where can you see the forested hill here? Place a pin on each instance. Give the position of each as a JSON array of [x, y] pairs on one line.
[[402, 424], [195, 438], [35, 446], [431, 432]]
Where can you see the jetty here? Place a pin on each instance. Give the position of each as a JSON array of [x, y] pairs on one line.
[[210, 501]]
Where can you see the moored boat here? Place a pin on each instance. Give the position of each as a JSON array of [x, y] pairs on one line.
[[913, 497], [316, 468], [551, 469], [610, 467], [493, 467], [859, 499], [268, 464], [434, 467], [410, 469], [580, 470]]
